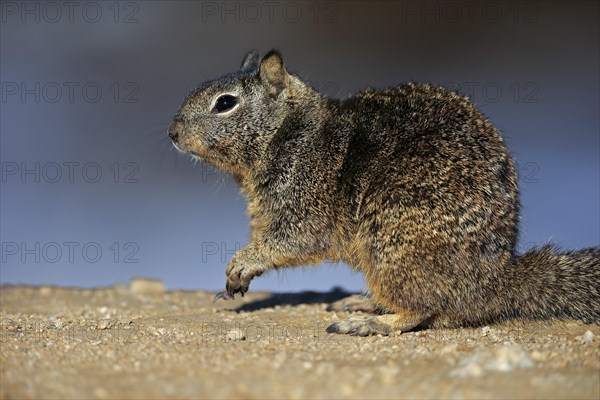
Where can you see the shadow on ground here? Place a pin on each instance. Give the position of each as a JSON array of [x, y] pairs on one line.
[[294, 299]]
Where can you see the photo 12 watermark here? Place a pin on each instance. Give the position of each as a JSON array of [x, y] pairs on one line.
[[528, 172], [70, 172], [224, 12], [205, 333], [265, 331], [457, 12], [54, 12], [222, 252], [69, 252], [494, 92], [55, 330], [70, 92]]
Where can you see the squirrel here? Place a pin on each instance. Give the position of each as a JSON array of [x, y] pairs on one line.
[[411, 185]]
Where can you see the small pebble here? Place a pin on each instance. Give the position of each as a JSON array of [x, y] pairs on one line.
[[104, 324], [146, 286], [510, 357], [507, 358], [586, 338], [469, 367]]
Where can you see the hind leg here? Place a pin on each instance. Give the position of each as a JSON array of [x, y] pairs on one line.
[[406, 270], [357, 303]]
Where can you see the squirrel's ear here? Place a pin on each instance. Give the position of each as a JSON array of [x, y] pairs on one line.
[[250, 61], [273, 74]]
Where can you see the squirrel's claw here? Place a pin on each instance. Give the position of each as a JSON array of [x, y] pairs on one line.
[[229, 293], [225, 295]]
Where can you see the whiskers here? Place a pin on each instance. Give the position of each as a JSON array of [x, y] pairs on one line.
[[160, 130], [168, 149], [161, 142]]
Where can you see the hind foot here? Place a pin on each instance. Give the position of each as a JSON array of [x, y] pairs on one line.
[[361, 326], [378, 325]]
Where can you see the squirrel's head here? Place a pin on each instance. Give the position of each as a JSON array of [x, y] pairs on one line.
[[229, 121]]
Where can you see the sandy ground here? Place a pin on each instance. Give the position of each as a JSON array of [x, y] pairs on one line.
[[139, 342]]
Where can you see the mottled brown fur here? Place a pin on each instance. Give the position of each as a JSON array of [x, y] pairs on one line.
[[411, 185]]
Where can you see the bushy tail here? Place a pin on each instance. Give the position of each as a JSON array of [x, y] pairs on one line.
[[548, 283]]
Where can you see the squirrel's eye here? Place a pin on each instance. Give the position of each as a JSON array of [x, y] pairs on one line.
[[225, 103]]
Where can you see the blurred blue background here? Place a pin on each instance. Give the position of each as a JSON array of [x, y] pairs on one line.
[[93, 194]]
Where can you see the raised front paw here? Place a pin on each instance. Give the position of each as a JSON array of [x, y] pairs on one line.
[[239, 275]]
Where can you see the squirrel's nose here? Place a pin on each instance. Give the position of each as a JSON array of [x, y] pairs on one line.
[[173, 131]]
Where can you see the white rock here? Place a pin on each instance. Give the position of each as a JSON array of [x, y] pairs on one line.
[[146, 286], [56, 322], [469, 367], [538, 355], [587, 337], [509, 357], [104, 324]]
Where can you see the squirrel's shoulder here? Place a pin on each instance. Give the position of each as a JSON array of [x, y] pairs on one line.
[[409, 93], [411, 106]]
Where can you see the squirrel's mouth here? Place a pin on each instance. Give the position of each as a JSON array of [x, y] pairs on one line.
[[178, 148], [194, 154]]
